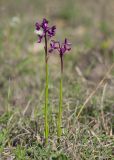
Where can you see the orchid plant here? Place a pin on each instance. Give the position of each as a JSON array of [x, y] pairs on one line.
[[45, 32], [62, 48]]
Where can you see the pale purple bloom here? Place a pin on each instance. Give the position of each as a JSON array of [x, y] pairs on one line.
[[62, 48], [43, 30]]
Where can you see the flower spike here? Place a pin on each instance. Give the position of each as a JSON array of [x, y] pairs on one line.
[[42, 30], [62, 48]]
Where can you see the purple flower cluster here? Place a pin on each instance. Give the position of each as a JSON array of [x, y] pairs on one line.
[[60, 47], [43, 30]]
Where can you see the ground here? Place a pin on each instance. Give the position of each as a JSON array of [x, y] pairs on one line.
[[88, 84]]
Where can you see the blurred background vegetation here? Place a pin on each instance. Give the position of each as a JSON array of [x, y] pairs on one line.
[[89, 25]]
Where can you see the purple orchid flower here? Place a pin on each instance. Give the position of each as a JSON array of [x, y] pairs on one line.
[[43, 30], [62, 48]]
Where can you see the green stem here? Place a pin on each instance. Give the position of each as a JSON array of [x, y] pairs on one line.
[[59, 124], [46, 94], [46, 106]]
